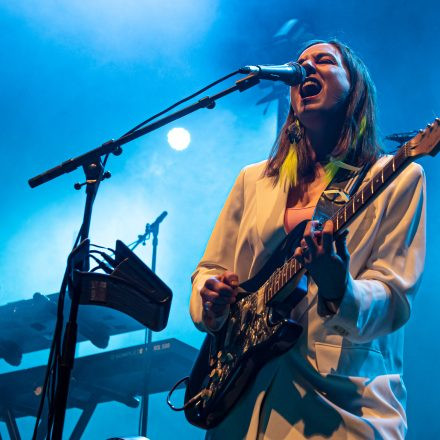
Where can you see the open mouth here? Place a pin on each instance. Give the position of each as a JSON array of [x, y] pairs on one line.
[[310, 87]]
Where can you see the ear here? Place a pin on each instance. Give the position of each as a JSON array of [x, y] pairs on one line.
[[294, 131]]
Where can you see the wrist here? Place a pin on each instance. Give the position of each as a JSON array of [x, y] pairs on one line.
[[333, 295], [333, 305]]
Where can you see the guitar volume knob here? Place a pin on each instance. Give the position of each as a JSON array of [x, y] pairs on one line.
[[226, 358]]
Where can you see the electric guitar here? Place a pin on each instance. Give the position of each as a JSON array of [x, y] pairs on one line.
[[255, 331]]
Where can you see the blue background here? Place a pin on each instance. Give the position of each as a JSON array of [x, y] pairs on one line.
[[76, 73]]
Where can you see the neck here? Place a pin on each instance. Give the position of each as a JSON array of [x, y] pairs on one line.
[[323, 140], [322, 134]]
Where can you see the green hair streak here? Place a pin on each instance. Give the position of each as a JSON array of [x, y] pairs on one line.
[[289, 168]]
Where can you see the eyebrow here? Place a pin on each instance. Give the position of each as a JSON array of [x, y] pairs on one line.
[[318, 56]]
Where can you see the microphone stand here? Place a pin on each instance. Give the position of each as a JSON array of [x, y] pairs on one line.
[[78, 260], [79, 257], [152, 229]]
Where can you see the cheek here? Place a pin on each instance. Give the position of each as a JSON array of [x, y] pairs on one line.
[[340, 88], [344, 84]]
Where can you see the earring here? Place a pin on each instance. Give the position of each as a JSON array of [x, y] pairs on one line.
[[294, 132]]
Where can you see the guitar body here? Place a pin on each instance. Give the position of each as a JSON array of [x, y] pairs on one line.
[[252, 335], [229, 361]]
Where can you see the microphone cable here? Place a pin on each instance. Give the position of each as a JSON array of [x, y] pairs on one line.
[[151, 118]]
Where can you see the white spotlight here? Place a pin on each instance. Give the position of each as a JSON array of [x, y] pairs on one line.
[[179, 138]]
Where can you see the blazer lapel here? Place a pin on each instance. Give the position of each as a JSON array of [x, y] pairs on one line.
[[271, 205]]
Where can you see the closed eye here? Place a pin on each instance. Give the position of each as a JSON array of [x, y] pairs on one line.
[[326, 60], [324, 57]]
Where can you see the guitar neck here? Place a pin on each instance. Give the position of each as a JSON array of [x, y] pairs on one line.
[[285, 273], [370, 191]]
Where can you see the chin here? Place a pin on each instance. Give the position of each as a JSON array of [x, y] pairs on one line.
[[312, 107]]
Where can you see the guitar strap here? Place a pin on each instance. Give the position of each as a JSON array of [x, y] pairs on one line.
[[346, 182]]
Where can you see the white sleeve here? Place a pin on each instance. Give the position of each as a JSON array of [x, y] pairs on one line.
[[379, 300], [220, 250]]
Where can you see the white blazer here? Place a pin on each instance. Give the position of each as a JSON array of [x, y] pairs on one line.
[[343, 378]]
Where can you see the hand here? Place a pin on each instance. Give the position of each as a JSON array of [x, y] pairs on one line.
[[327, 267], [217, 294]]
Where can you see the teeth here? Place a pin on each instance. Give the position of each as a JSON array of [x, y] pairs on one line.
[[309, 82]]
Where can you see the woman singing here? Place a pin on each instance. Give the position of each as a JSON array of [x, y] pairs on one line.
[[343, 377]]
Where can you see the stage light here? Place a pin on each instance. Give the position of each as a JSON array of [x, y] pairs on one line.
[[179, 138]]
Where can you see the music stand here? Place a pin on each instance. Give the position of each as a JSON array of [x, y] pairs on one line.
[[132, 288]]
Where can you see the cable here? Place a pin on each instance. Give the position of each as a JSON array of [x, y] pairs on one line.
[[50, 364], [151, 118]]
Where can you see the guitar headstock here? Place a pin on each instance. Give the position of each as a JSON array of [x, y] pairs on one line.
[[427, 141]]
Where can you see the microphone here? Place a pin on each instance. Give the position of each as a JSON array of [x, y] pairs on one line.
[[159, 219], [291, 73]]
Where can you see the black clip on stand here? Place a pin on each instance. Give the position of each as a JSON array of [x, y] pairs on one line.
[[78, 259]]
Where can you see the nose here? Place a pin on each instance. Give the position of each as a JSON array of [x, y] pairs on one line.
[[308, 67]]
